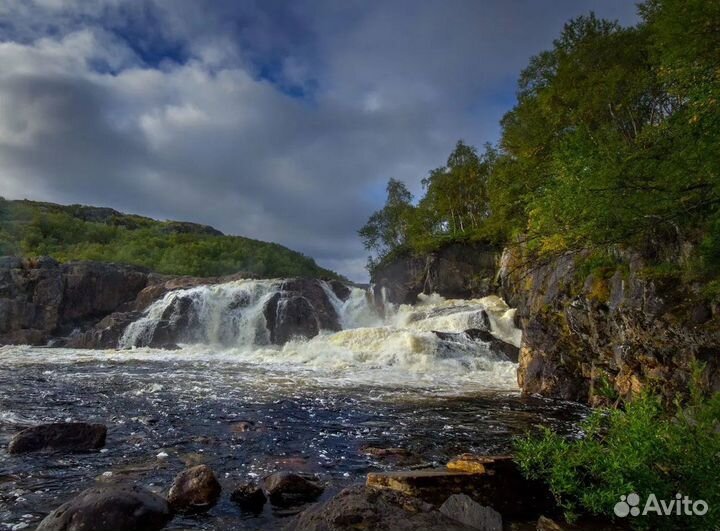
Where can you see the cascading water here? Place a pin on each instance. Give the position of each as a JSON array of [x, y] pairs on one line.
[[239, 319]]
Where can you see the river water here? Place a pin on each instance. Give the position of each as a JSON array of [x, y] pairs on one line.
[[248, 410]]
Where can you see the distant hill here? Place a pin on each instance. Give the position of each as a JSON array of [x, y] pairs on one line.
[[76, 232]]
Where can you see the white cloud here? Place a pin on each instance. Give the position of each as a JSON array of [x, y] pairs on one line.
[[180, 110]]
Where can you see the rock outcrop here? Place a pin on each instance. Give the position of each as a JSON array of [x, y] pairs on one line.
[[361, 507], [59, 437], [41, 299], [457, 271], [608, 334], [110, 508], [90, 305]]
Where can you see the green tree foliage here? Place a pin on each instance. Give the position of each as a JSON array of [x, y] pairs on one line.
[[614, 140], [77, 233], [387, 229], [642, 449]]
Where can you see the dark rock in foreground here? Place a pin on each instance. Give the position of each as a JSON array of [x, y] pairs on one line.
[[62, 436], [362, 507], [249, 497], [493, 481], [287, 489], [110, 508], [195, 490], [463, 509]]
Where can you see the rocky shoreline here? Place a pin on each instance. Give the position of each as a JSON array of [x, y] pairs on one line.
[[471, 492]]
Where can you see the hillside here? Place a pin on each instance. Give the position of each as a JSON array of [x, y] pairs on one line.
[[76, 232]]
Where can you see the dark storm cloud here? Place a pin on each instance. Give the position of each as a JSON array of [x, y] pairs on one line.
[[276, 120]]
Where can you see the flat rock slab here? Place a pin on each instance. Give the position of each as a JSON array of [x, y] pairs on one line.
[[57, 437], [110, 508], [501, 487]]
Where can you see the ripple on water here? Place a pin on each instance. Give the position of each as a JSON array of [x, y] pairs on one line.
[[168, 411]]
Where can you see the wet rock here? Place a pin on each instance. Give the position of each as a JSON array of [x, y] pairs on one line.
[[497, 346], [501, 349], [397, 456], [463, 509], [61, 436], [249, 497], [286, 489], [361, 507], [194, 490], [546, 524], [340, 290], [110, 508]]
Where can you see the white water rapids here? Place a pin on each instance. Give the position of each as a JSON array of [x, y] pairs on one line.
[[401, 348]]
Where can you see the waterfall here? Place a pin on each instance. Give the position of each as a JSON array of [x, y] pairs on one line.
[[324, 326]]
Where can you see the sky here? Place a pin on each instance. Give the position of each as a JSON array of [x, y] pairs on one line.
[[276, 120]]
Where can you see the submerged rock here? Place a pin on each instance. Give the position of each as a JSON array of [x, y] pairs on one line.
[[61, 436], [360, 507], [110, 508], [194, 490], [249, 497], [463, 509], [286, 489]]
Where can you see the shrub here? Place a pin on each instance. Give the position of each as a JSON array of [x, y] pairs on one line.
[[642, 449]]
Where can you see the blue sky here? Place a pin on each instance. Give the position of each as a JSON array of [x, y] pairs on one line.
[[276, 120]]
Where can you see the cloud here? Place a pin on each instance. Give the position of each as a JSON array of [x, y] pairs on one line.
[[271, 120]]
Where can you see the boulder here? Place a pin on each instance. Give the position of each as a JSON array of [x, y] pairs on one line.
[[495, 482], [110, 508], [463, 509], [195, 490], [62, 436], [501, 349], [360, 507], [286, 489], [300, 308], [249, 497]]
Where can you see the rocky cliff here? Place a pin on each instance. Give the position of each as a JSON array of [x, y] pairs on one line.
[[610, 333], [457, 271], [590, 336], [90, 304]]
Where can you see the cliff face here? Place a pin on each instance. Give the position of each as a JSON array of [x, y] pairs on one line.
[[603, 336], [458, 271], [90, 304], [41, 299], [589, 337]]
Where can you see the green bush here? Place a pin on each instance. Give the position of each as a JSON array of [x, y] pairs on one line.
[[642, 449]]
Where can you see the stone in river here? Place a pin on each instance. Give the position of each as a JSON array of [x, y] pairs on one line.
[[110, 508], [195, 490], [61, 436], [249, 497], [287, 489]]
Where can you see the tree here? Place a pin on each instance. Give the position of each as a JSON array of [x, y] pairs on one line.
[[387, 229]]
